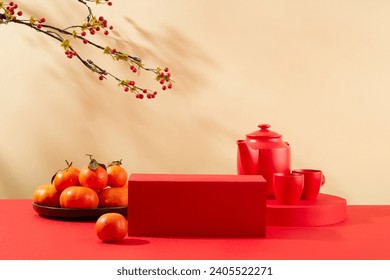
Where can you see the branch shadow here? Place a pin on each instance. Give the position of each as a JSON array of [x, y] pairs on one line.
[[174, 48]]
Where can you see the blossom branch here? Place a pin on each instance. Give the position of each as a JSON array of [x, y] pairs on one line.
[[9, 14]]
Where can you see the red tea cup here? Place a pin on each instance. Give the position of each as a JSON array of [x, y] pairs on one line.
[[313, 180], [287, 187]]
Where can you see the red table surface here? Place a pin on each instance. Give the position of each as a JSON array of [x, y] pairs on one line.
[[24, 235]]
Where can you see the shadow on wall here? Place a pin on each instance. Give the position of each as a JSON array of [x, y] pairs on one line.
[[95, 119], [173, 48]]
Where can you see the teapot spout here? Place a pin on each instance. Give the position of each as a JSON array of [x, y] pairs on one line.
[[246, 163]]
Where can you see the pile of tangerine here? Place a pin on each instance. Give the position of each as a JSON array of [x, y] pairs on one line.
[[94, 185]]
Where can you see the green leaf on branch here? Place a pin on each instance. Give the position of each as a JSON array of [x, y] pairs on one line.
[[122, 56], [32, 20], [65, 44], [107, 50], [93, 21], [123, 83]]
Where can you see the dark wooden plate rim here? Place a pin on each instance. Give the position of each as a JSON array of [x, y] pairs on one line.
[[58, 212]]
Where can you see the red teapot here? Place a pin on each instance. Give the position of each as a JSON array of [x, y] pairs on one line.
[[263, 153]]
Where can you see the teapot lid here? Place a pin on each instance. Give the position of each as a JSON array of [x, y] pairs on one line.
[[264, 132]]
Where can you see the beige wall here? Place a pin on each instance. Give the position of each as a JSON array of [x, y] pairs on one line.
[[317, 71]]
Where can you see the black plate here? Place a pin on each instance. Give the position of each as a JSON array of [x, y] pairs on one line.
[[73, 213]]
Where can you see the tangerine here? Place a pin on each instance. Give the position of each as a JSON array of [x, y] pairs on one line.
[[113, 197], [47, 195], [79, 197], [117, 175], [66, 177], [111, 227], [75, 170], [94, 175]]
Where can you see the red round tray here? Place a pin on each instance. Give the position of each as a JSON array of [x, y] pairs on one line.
[[326, 210]]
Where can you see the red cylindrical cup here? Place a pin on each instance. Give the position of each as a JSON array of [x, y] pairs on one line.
[[287, 187], [313, 180]]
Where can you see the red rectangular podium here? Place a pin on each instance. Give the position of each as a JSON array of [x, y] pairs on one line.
[[200, 205]]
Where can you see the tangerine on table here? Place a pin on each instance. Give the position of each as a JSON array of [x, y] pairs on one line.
[[111, 227]]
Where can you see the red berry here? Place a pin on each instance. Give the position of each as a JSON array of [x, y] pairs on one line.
[[11, 4], [170, 86], [101, 78], [101, 18], [132, 68], [131, 83], [106, 32], [114, 51], [145, 90], [126, 89], [162, 81], [39, 25], [42, 20], [109, 3], [111, 27], [20, 13], [166, 69], [97, 28], [85, 41], [164, 87], [83, 33]]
